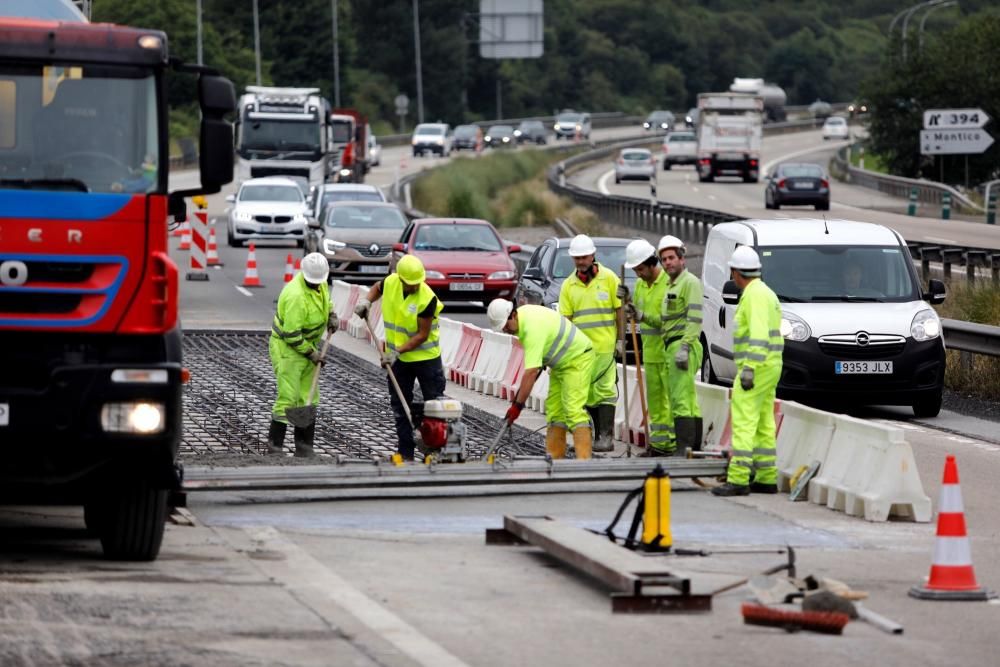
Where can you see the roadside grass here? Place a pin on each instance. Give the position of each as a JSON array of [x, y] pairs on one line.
[[508, 189], [873, 161], [966, 373]]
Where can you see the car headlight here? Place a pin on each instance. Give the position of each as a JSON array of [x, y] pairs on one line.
[[794, 327], [517, 133], [579, 127], [144, 418], [506, 139], [488, 138], [242, 216], [925, 325], [433, 275], [413, 141], [330, 247], [556, 126], [439, 141], [646, 125], [501, 275], [663, 125]]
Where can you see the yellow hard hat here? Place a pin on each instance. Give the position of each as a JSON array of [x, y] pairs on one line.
[[411, 270], [199, 201]]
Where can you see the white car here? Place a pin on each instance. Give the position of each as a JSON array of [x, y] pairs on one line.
[[330, 192], [835, 127], [571, 124], [635, 164], [374, 151], [680, 148], [430, 137], [267, 208]]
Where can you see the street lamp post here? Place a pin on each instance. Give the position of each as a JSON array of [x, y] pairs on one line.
[[336, 56], [909, 15], [416, 44], [256, 39], [930, 11], [198, 12]]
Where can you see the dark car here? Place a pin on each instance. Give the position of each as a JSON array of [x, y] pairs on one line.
[[658, 121], [500, 136], [466, 138], [794, 183], [531, 130]]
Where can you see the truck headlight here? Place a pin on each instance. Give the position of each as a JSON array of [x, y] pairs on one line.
[[925, 325], [142, 418], [794, 327], [501, 275], [242, 216], [345, 172], [330, 247]]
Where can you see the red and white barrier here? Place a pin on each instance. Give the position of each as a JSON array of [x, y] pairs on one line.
[[198, 243]]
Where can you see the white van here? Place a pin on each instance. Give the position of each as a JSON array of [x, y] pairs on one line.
[[857, 326]]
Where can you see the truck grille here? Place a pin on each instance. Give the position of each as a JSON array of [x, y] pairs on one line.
[[61, 291]]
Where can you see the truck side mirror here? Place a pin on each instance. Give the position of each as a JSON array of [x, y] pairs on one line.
[[731, 293], [216, 97], [936, 292]]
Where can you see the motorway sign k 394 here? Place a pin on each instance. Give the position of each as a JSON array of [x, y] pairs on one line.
[[955, 119], [954, 142]]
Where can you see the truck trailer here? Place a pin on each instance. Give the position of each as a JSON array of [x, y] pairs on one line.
[[730, 128]]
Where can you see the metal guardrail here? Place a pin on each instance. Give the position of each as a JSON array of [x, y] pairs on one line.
[[971, 337], [928, 192]]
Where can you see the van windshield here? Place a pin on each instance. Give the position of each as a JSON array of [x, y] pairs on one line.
[[839, 273]]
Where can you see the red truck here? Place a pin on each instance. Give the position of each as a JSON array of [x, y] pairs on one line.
[[90, 344], [350, 142]]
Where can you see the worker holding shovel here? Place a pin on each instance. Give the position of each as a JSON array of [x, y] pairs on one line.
[[304, 312]]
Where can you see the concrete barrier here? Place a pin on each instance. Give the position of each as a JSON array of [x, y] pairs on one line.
[[805, 436]]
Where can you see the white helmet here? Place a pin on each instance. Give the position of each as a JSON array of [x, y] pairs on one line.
[[499, 312], [637, 252], [745, 260], [670, 241], [315, 268], [581, 246]]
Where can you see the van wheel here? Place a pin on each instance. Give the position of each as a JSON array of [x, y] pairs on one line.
[[927, 406], [707, 372], [131, 521]]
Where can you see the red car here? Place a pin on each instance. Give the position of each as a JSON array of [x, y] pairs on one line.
[[465, 259]]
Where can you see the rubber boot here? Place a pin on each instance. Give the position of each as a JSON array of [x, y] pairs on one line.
[[582, 442], [604, 427], [684, 427], [699, 429], [555, 441], [304, 441], [276, 437]]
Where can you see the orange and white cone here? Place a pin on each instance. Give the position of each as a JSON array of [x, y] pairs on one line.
[[185, 236], [952, 576], [212, 254], [250, 278], [289, 269], [298, 264]]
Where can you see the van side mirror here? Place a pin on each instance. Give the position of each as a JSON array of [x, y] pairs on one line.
[[935, 293], [513, 249], [399, 247], [731, 293], [313, 222]]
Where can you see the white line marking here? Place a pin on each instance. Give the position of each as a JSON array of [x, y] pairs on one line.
[[815, 149], [712, 197], [941, 240], [244, 292], [301, 571], [694, 188], [602, 182]]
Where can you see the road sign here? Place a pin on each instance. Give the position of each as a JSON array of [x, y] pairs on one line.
[[954, 142], [955, 119], [402, 103]]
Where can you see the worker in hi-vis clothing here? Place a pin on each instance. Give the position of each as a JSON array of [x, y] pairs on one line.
[[681, 331], [757, 347], [304, 312], [410, 312], [644, 308], [551, 341], [589, 298]]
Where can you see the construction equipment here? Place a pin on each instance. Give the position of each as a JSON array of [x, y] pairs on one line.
[[305, 416], [628, 436], [491, 451], [830, 623], [652, 509]]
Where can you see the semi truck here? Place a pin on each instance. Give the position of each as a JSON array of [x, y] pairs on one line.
[[284, 132], [730, 128], [773, 95], [349, 146], [90, 343]]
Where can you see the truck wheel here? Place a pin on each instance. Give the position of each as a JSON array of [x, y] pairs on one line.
[[131, 521], [928, 405]]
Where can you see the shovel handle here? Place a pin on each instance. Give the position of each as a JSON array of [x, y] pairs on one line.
[[315, 380], [392, 376]]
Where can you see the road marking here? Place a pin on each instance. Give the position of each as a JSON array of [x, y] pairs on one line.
[[712, 197], [602, 183], [244, 292], [299, 571], [941, 240], [815, 149], [694, 188]]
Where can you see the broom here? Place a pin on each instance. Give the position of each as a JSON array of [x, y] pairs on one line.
[[826, 622]]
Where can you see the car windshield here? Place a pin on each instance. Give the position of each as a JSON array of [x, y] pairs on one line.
[[568, 118], [340, 130], [800, 171], [351, 195], [289, 193], [835, 121], [676, 138], [436, 130], [839, 273], [659, 115], [465, 131], [531, 125], [609, 257], [369, 217], [501, 130], [456, 237]]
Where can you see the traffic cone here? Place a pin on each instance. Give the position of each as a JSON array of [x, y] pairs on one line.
[[185, 236], [289, 269], [212, 253], [298, 264], [952, 576], [250, 278]]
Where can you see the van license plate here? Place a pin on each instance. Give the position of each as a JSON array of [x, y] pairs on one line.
[[4, 414], [863, 367]]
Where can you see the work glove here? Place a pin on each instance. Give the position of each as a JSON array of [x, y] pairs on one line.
[[389, 357], [361, 310], [316, 357], [622, 292], [619, 350], [513, 412], [332, 323], [681, 358], [633, 313], [746, 378]]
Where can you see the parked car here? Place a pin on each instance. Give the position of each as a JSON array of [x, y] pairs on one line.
[[531, 130], [500, 136], [569, 124], [374, 151], [356, 238], [466, 137], [658, 121], [430, 138], [635, 164], [793, 183], [331, 192], [465, 258], [680, 148], [835, 127], [272, 207], [858, 329], [551, 264]]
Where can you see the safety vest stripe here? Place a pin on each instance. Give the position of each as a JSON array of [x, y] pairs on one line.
[[553, 359], [662, 427], [694, 306], [774, 333], [660, 438], [593, 311], [765, 451], [775, 347], [750, 341], [751, 356], [675, 316], [649, 332], [596, 325], [410, 332], [289, 337]]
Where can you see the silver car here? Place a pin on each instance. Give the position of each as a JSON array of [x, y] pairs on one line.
[[331, 192], [269, 208], [635, 164], [357, 238]]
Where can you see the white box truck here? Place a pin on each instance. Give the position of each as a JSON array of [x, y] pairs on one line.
[[730, 126]]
